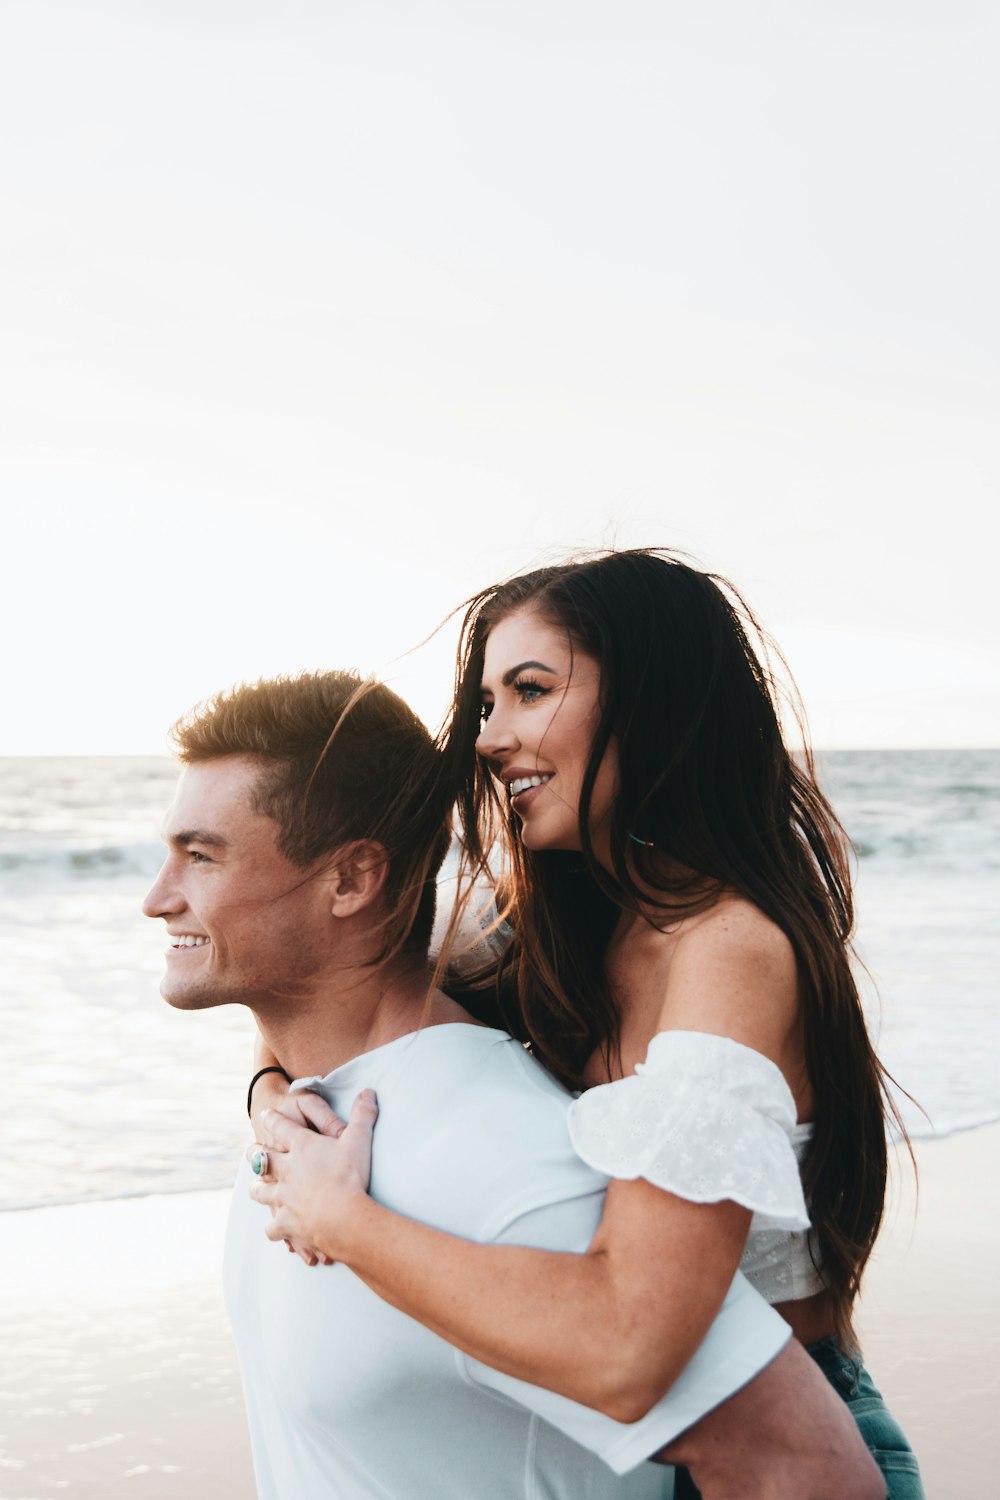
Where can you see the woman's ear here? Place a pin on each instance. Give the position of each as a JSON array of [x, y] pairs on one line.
[[356, 877]]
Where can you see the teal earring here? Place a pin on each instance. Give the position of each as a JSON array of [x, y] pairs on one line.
[[643, 843]]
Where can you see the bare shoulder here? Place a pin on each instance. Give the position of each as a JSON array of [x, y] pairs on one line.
[[734, 973], [735, 932]]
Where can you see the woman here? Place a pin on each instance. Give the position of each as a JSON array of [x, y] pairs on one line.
[[678, 894]]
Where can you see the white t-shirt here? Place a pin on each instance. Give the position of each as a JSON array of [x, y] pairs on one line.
[[349, 1398]]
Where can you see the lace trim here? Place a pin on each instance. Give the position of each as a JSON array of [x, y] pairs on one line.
[[704, 1117]]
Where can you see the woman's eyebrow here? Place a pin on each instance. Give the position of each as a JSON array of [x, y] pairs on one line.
[[509, 676]]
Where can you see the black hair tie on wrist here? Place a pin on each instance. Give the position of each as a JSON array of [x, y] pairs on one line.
[[260, 1074]]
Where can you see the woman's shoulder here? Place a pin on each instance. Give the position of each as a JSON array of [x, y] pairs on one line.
[[736, 932], [734, 972]]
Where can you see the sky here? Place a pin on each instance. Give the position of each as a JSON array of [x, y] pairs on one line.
[[317, 317]]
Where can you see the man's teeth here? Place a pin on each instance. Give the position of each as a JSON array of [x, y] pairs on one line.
[[522, 783], [188, 941]]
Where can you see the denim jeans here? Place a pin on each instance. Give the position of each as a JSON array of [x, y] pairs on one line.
[[882, 1433], [879, 1428]]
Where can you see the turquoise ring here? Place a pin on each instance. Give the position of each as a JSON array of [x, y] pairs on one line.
[[258, 1162]]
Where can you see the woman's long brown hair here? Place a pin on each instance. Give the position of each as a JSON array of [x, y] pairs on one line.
[[690, 700]]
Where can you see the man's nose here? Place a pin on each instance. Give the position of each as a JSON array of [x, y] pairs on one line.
[[162, 898]]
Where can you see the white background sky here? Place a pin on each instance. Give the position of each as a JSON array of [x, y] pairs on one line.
[[318, 316]]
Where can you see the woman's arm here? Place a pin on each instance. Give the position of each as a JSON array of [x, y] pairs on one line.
[[267, 1091], [611, 1328]]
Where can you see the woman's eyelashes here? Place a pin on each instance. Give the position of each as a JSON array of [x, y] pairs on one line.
[[526, 689]]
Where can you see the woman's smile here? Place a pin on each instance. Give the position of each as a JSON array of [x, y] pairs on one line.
[[520, 785]]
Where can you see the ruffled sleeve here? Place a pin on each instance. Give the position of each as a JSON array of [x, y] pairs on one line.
[[703, 1117]]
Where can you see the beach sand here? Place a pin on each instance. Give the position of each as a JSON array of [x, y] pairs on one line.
[[929, 1312], [118, 1376]]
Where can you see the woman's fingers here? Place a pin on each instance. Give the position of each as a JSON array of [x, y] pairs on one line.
[[264, 1192], [357, 1139], [319, 1114], [264, 1160], [364, 1111], [280, 1132]]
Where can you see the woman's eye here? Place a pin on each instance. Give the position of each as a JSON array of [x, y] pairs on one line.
[[485, 709], [529, 691]]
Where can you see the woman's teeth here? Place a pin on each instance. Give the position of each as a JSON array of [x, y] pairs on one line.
[[522, 783]]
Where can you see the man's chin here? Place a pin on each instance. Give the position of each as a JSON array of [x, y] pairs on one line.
[[184, 997]]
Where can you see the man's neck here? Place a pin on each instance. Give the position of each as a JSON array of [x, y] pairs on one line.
[[357, 1011]]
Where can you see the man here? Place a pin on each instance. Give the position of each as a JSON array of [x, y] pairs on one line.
[[303, 844]]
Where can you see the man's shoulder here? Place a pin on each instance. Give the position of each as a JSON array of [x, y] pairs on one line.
[[482, 1076], [476, 1124], [493, 1059]]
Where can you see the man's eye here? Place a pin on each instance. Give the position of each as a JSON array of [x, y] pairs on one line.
[[197, 858]]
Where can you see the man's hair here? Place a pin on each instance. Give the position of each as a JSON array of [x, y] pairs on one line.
[[341, 758]]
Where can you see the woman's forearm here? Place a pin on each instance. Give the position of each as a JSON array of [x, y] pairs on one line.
[[611, 1328], [267, 1091]]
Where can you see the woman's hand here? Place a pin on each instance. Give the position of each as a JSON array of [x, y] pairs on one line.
[[317, 1168], [305, 1109]]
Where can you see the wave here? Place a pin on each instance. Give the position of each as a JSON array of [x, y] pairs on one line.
[[89, 820], [919, 1130], [954, 847], [900, 807], [969, 845], [76, 861], [126, 1195]]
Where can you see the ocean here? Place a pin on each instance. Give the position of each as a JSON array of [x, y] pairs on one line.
[[108, 1093]]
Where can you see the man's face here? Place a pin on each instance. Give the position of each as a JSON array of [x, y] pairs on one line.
[[245, 924]]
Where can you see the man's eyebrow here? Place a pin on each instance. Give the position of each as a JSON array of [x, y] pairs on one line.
[[514, 672], [197, 836]]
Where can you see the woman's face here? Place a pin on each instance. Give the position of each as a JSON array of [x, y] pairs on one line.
[[541, 706]]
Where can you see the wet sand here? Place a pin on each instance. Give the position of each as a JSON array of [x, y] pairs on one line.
[[118, 1376], [929, 1313]]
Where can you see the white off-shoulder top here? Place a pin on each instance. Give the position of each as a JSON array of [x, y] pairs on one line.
[[707, 1118]]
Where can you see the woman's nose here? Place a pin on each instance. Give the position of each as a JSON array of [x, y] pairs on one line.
[[496, 737]]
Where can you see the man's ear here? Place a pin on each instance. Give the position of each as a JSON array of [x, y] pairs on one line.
[[357, 876]]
